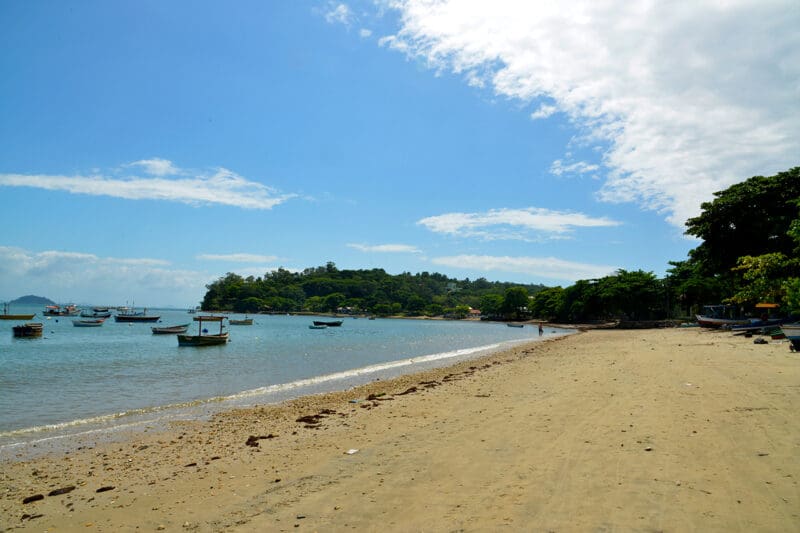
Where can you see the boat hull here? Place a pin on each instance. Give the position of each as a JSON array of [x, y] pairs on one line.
[[32, 329], [88, 323], [240, 322], [329, 323], [202, 340], [136, 318], [17, 317], [714, 322], [170, 330]]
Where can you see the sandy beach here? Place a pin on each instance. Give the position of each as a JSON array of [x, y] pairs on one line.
[[645, 430]]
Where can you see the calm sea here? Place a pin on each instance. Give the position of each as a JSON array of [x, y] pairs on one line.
[[78, 381]]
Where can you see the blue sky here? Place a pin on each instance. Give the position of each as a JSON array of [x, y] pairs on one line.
[[147, 148]]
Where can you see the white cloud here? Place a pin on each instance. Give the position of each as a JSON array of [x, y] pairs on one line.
[[83, 277], [558, 168], [513, 223], [219, 186], [686, 98], [238, 258], [536, 267], [339, 13], [156, 167], [544, 111], [387, 248], [364, 32]]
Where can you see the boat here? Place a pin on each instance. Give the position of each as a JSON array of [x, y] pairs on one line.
[[170, 330], [329, 323], [126, 314], [515, 325], [96, 312], [57, 310], [715, 316], [792, 332], [8, 316], [315, 326], [29, 329], [88, 322], [203, 338], [240, 321]]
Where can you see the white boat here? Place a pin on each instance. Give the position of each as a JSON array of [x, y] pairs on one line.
[[88, 322]]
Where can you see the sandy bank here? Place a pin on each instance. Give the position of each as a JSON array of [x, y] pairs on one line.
[[674, 430]]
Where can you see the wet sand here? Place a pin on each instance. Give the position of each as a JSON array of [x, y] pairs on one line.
[[646, 430]]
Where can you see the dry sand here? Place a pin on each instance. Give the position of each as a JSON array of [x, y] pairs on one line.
[[649, 430]]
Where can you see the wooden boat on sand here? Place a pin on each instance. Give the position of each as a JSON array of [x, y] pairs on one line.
[[30, 329], [203, 338]]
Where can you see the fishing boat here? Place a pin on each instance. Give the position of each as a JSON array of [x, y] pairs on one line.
[[315, 326], [203, 338], [240, 321], [126, 314], [96, 312], [717, 316], [29, 329], [515, 325], [88, 322], [329, 323], [170, 330], [792, 332], [8, 316], [58, 310]]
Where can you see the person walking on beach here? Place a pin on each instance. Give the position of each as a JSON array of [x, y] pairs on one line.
[[541, 329]]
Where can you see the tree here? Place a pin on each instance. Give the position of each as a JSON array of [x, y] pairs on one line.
[[515, 302], [749, 218]]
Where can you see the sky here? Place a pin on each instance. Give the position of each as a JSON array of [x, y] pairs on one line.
[[148, 148]]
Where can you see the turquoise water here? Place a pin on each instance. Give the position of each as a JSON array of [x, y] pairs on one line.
[[76, 380]]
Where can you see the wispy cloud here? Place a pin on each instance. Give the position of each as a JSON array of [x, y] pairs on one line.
[[54, 272], [219, 186], [238, 258], [684, 99], [156, 167], [537, 267], [521, 224], [558, 168], [386, 248], [338, 13], [544, 111]]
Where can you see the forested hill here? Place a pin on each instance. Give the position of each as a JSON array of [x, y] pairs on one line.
[[328, 289], [30, 299]]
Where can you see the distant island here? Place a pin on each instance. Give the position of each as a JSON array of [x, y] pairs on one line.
[[30, 299]]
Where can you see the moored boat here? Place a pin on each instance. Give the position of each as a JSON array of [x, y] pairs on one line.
[[315, 326], [88, 322], [8, 316], [329, 323], [515, 325], [126, 314], [96, 312], [203, 338], [30, 329], [170, 330], [240, 321], [58, 310]]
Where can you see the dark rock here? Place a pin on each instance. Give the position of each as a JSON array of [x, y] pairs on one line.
[[62, 490], [105, 489], [34, 498], [407, 391]]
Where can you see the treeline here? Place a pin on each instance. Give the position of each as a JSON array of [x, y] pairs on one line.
[[327, 289], [748, 253]]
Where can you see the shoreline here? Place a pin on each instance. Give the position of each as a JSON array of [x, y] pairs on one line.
[[551, 434]]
